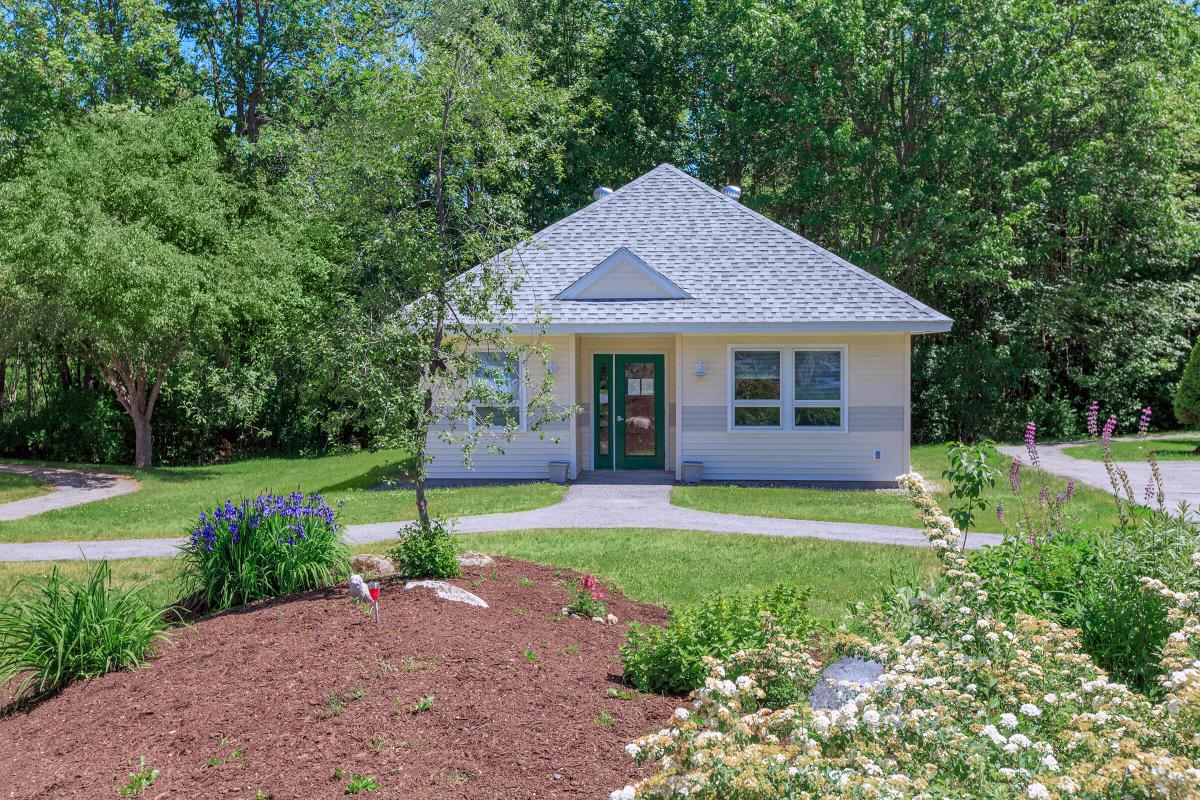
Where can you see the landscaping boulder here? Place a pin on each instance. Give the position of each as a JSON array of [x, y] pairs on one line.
[[358, 589], [832, 690], [370, 564], [469, 559], [448, 591]]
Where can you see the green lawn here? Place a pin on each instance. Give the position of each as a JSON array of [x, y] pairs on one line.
[[1167, 450], [680, 567], [653, 566], [170, 497], [1091, 507], [15, 487]]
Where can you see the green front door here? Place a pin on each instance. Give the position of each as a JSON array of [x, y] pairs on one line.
[[628, 398]]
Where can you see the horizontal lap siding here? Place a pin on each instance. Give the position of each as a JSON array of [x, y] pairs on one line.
[[877, 398], [528, 455]]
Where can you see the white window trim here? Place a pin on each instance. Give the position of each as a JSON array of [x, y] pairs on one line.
[[787, 402], [522, 409]]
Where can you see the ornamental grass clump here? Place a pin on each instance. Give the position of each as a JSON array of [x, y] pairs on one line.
[[265, 547], [56, 629], [969, 706]]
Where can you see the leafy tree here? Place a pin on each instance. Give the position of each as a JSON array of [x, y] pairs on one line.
[[59, 59], [128, 228], [1187, 395]]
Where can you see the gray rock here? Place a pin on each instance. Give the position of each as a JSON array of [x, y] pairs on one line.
[[358, 589], [829, 693], [368, 563], [448, 591], [611, 619], [475, 560]]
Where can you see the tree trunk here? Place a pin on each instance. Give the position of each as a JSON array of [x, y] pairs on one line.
[[142, 449]]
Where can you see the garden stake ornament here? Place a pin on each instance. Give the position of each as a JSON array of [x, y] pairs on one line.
[[373, 589]]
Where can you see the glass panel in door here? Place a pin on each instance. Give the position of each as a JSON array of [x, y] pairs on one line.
[[639, 411], [603, 411]]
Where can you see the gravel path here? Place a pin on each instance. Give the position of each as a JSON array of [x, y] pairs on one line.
[[72, 487], [594, 501], [1181, 479]]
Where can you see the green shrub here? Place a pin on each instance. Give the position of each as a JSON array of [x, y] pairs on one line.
[[56, 629], [426, 552], [1124, 626], [265, 547], [1093, 582], [671, 659], [1187, 395]]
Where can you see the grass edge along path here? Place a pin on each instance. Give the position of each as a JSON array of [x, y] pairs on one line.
[[1181, 449], [15, 486], [667, 567], [1090, 507], [170, 498]]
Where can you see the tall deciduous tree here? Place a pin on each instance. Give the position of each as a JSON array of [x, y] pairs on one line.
[[128, 227]]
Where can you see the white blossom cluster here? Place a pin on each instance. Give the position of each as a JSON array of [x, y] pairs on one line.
[[968, 706]]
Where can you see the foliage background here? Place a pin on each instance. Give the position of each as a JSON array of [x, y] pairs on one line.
[[1030, 168]]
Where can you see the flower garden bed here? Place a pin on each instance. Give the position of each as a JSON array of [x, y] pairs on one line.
[[293, 698]]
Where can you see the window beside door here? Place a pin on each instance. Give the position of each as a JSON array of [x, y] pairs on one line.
[[788, 388]]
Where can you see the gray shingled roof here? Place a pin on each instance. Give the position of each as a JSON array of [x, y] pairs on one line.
[[742, 271]]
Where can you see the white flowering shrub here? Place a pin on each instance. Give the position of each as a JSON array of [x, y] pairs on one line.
[[968, 707]]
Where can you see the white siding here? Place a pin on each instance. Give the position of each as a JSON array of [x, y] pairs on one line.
[[876, 375], [528, 455], [623, 282]]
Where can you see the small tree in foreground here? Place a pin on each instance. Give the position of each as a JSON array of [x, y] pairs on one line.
[[432, 349]]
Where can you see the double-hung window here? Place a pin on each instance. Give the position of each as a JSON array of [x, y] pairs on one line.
[[757, 388], [788, 388], [497, 390]]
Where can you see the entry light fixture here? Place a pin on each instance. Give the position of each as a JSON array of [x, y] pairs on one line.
[[700, 369]]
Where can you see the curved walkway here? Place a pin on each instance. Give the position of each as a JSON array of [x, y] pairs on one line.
[[71, 487], [1181, 479], [593, 501]]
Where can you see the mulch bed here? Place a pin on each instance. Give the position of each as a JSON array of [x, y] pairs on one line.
[[279, 697]]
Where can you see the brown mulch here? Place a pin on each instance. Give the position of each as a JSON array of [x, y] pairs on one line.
[[276, 697]]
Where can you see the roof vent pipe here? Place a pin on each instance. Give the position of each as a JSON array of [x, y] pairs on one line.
[[732, 192], [601, 192]]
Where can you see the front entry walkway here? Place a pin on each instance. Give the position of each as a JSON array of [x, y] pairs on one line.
[[637, 499]]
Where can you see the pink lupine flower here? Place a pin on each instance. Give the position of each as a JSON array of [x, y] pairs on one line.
[[1031, 445], [1070, 489], [1092, 413], [1149, 490], [598, 594], [1110, 425], [587, 582], [1144, 422], [1014, 475]]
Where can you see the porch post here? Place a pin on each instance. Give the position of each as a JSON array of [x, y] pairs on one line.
[[572, 400], [678, 406]]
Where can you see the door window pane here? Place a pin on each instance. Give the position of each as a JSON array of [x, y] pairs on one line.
[[818, 375], [602, 408], [641, 426], [756, 375]]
